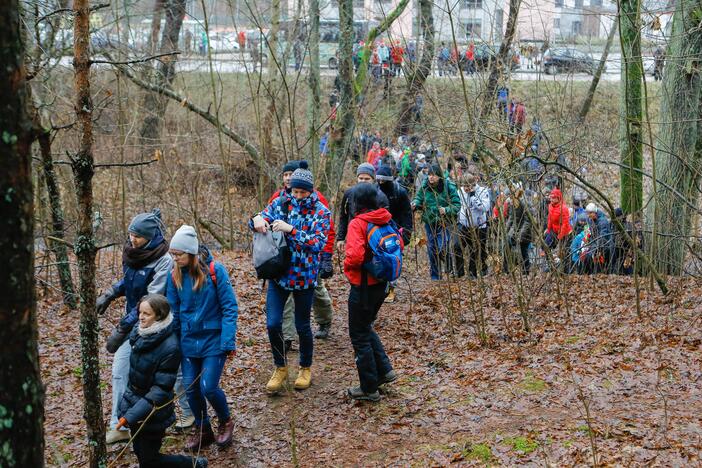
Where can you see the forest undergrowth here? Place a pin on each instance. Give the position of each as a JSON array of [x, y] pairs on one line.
[[592, 379]]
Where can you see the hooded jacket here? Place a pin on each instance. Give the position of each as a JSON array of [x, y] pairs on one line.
[[153, 366], [558, 217], [331, 235], [137, 283], [346, 210], [205, 319], [357, 250], [399, 207], [310, 220]]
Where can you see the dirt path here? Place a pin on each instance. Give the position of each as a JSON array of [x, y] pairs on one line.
[[519, 401]]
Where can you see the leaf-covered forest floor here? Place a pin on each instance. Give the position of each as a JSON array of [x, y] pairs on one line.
[[591, 375]]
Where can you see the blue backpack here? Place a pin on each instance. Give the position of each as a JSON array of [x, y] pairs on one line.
[[384, 242]]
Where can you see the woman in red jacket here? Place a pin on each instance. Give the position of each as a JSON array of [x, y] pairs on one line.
[[558, 228], [365, 297]]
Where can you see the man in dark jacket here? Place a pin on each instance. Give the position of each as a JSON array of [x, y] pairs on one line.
[[602, 241], [519, 232], [399, 207]]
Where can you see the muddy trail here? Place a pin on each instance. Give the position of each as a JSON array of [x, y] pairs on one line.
[[594, 380]]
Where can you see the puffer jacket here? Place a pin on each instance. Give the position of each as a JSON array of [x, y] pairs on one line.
[[137, 283], [430, 199], [558, 217], [206, 319], [519, 224], [331, 236], [153, 367], [310, 220], [347, 208]]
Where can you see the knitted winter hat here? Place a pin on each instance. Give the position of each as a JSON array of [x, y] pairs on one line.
[[436, 170], [591, 208], [290, 166], [383, 174], [302, 178], [185, 240], [146, 225], [365, 168]]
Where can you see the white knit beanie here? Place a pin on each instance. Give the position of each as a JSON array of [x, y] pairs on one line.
[[185, 240]]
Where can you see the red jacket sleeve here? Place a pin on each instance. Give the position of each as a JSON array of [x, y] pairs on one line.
[[565, 228], [331, 235], [275, 195], [355, 245]]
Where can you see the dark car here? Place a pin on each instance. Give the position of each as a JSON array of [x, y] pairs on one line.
[[485, 54], [560, 60]]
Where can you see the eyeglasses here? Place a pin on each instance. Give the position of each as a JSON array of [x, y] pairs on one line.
[[178, 254]]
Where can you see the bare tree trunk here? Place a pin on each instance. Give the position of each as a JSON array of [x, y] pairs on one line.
[[59, 248], [631, 110], [501, 65], [271, 85], [156, 25], [342, 133], [585, 108], [21, 390], [314, 102], [150, 132], [84, 246], [679, 142], [417, 76]]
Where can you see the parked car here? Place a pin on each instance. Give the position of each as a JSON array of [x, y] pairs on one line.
[[485, 54], [560, 60]]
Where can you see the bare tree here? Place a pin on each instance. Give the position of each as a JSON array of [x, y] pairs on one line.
[[84, 246], [21, 390]]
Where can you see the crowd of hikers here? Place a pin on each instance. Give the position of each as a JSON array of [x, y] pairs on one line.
[[180, 322]]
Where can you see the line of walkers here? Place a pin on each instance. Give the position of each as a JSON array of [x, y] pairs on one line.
[[180, 322]]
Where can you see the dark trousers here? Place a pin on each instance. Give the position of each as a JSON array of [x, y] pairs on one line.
[[275, 305], [147, 447], [372, 362], [512, 258], [471, 241]]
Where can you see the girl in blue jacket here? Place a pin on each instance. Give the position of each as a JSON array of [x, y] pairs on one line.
[[205, 313]]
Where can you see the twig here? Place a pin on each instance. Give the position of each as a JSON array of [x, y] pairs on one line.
[[140, 60], [58, 239], [140, 163]]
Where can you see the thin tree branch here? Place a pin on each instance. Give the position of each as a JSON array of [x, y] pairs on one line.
[[140, 163], [141, 60]]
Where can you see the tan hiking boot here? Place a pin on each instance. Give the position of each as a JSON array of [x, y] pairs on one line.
[[278, 379], [390, 298], [304, 378], [113, 436]]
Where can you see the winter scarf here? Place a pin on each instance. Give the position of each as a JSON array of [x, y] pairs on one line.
[[156, 326], [138, 257]]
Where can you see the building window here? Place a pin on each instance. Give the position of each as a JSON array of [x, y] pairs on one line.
[[499, 22], [559, 3], [576, 28], [578, 3], [472, 4], [359, 3], [473, 28], [556, 23], [596, 3]]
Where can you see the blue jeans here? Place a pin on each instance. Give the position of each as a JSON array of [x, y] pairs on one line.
[[201, 381], [275, 303], [438, 242]]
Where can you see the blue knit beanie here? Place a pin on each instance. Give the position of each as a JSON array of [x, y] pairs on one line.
[[146, 225], [302, 178], [366, 168], [290, 166]]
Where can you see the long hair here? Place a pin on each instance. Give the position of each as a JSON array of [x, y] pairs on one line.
[[196, 270]]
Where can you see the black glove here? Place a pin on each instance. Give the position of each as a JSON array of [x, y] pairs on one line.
[[118, 336], [103, 301], [471, 193], [326, 266]]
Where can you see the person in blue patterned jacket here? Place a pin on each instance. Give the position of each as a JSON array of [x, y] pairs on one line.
[[305, 222]]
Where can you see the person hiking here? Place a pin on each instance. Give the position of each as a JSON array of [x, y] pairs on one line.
[[443, 58], [438, 199], [365, 174], [472, 228], [375, 155], [602, 239], [517, 117], [305, 221], [502, 101], [366, 296], [519, 232], [322, 303], [400, 208], [580, 255], [145, 268], [146, 407], [558, 233], [205, 312]]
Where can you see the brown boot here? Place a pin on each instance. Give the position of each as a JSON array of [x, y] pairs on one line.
[[224, 433], [200, 438]]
